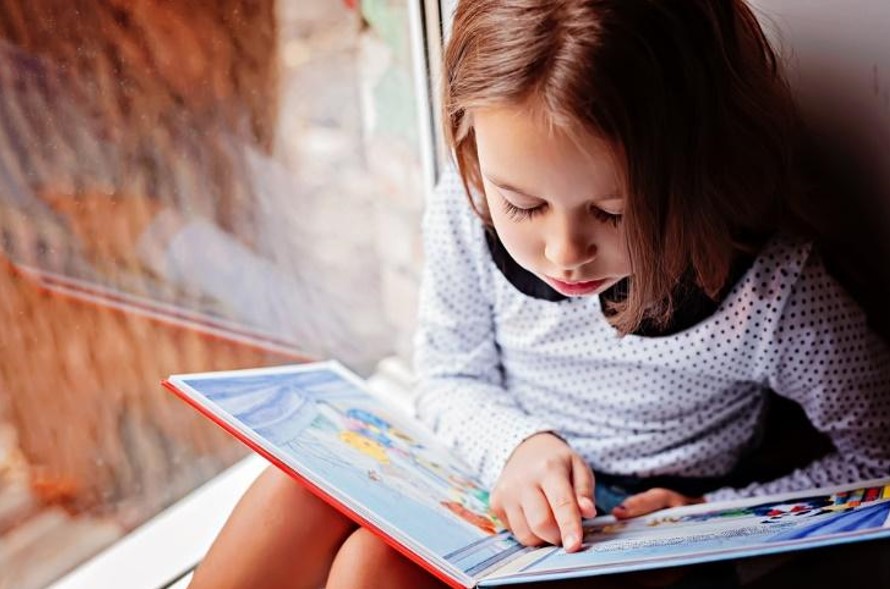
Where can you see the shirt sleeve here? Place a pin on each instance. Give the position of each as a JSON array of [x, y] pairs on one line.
[[461, 393], [824, 356]]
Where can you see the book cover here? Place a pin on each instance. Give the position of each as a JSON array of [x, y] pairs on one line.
[[386, 471]]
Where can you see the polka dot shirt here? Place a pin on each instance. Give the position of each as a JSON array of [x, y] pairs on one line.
[[496, 366]]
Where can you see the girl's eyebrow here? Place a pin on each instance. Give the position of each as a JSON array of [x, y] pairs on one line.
[[505, 186]]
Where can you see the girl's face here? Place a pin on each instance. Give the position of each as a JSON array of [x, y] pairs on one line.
[[556, 203]]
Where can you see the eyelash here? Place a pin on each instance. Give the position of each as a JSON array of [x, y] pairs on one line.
[[519, 214]]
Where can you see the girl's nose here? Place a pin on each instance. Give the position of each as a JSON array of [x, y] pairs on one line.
[[570, 249]]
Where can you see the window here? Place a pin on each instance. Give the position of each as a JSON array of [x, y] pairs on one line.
[[185, 187]]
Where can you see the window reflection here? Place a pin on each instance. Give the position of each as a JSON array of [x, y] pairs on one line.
[[183, 187]]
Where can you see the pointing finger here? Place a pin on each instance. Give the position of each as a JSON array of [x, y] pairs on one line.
[[583, 481], [563, 502]]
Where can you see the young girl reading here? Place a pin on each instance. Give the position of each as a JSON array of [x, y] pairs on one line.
[[614, 280]]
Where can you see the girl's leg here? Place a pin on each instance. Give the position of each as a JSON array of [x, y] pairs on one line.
[[278, 536], [366, 561]]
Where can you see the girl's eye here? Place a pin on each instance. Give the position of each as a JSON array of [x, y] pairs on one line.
[[612, 218], [518, 213], [521, 214]]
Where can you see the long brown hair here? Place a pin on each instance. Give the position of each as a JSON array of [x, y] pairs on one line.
[[688, 92]]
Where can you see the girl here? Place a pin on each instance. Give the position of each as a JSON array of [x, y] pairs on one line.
[[614, 281]]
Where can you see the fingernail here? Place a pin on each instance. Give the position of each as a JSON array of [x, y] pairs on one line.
[[620, 508], [569, 540]]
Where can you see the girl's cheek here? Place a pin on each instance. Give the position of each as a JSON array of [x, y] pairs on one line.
[[519, 240]]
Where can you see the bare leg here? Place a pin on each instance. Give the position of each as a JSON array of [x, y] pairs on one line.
[[366, 562], [278, 536]]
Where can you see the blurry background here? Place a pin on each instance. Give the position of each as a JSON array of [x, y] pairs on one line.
[[838, 62], [187, 186]]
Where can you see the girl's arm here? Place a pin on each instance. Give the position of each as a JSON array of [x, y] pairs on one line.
[[545, 488], [461, 392], [822, 354]]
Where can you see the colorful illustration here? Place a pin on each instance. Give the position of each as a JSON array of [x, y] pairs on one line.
[[320, 423], [685, 535], [483, 522], [404, 464], [323, 424]]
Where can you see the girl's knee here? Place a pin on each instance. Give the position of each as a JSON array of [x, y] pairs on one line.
[[298, 508], [363, 548], [275, 482], [365, 560], [279, 488]]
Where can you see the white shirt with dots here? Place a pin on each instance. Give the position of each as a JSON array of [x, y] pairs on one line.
[[496, 366]]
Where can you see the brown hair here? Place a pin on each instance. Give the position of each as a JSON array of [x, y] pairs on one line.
[[688, 92]]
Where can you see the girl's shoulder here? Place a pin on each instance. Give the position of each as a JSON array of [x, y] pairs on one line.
[[774, 271], [453, 235], [449, 184], [783, 259], [449, 221], [789, 276], [449, 202]]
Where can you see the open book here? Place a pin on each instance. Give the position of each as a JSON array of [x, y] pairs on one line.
[[387, 472]]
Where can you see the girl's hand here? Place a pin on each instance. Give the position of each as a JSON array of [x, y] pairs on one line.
[[543, 492], [652, 500]]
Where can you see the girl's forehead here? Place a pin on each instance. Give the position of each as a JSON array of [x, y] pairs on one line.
[[531, 126], [526, 154]]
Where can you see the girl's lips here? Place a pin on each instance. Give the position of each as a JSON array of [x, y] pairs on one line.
[[575, 289]]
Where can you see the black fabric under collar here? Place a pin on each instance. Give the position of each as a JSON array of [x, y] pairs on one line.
[[523, 280], [692, 304]]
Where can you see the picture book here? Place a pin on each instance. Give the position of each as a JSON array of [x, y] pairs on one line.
[[376, 464]]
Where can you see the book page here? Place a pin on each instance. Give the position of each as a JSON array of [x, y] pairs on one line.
[[320, 422], [704, 533]]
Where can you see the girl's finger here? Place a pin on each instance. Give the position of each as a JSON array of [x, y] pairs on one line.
[[642, 503], [539, 516], [496, 505], [583, 481], [564, 504], [519, 526], [649, 501]]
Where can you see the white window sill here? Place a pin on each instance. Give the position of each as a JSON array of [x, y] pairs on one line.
[[171, 543]]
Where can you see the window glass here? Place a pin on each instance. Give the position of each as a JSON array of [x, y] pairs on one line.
[[185, 186]]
